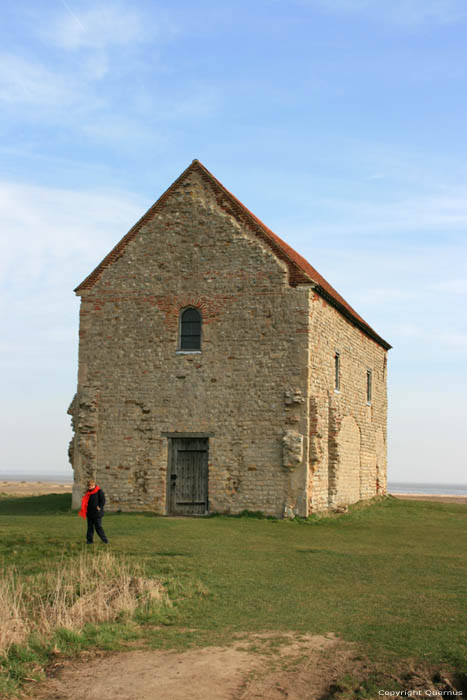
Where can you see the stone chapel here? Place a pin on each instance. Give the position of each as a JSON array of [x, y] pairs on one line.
[[219, 371]]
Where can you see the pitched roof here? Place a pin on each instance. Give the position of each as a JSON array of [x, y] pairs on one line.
[[300, 270]]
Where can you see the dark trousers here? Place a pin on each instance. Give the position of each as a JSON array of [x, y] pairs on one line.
[[95, 523]]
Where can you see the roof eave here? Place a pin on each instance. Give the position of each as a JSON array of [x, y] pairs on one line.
[[118, 249], [363, 327]]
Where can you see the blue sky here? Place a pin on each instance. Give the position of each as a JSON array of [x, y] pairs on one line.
[[340, 123]]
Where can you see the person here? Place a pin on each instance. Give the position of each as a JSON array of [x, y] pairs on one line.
[[92, 508]]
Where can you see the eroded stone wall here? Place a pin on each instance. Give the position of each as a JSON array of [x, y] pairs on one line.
[[345, 485], [82, 451], [347, 434], [247, 389]]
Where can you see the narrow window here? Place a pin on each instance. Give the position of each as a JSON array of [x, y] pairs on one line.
[[190, 330], [368, 385], [337, 372]]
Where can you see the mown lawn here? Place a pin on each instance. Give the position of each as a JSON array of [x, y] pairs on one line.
[[391, 576]]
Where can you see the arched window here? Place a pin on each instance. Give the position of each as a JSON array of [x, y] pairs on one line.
[[190, 330]]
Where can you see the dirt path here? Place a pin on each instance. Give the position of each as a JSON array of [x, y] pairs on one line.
[[258, 667], [302, 668]]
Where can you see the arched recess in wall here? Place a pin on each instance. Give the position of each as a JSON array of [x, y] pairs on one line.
[[380, 449], [346, 481]]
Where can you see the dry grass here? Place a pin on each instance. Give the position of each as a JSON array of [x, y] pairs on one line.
[[13, 626], [92, 588]]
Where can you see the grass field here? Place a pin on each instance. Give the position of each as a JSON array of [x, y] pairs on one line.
[[391, 577]]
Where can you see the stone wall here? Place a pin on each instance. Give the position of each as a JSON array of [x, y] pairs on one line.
[[347, 434], [282, 439], [82, 450], [345, 487], [247, 389]]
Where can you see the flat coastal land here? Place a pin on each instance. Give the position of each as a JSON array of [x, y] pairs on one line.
[[438, 498], [33, 488], [41, 488]]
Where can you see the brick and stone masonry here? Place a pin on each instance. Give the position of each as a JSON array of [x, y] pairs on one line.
[[261, 390]]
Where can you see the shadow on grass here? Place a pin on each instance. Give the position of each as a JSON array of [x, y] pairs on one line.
[[36, 505]]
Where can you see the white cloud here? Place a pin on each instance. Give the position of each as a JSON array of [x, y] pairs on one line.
[[97, 27], [37, 444], [79, 98], [96, 65], [50, 240], [25, 82], [202, 102], [435, 336], [412, 288], [42, 227], [456, 286], [126, 130], [453, 339], [388, 295], [426, 418], [148, 126], [72, 100], [31, 92], [407, 13], [445, 212]]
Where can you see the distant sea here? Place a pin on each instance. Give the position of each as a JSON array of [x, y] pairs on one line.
[[58, 478], [441, 489], [393, 486]]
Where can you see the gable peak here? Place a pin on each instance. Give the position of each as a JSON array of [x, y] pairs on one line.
[[300, 270]]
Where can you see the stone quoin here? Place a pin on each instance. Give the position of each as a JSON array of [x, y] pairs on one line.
[[219, 371]]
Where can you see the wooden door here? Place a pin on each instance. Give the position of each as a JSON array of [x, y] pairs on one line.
[[188, 476]]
